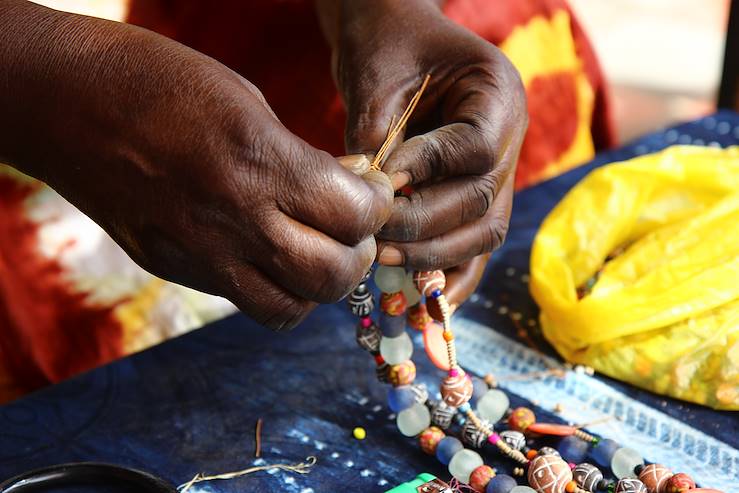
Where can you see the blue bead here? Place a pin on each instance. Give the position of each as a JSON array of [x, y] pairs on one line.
[[573, 449], [399, 398], [446, 449], [479, 388], [436, 293], [502, 483], [603, 452], [464, 408], [392, 326]]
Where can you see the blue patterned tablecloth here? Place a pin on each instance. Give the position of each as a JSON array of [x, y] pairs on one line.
[[191, 404]]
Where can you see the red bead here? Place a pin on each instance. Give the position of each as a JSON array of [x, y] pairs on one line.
[[679, 483], [521, 418], [480, 478], [429, 281], [430, 438], [418, 316], [393, 303], [402, 374]]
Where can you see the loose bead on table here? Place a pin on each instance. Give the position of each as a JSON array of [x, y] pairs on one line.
[[521, 418], [390, 279], [414, 420], [654, 477], [447, 448], [396, 349], [463, 463], [501, 483], [624, 462], [493, 405], [549, 474]]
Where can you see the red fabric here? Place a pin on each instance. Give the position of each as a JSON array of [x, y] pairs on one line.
[[47, 331]]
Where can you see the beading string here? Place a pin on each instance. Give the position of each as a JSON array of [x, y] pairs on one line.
[[301, 468]]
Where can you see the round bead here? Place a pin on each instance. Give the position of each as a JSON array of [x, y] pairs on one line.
[[361, 302], [549, 451], [493, 405], [654, 477], [413, 420], [679, 483], [402, 374], [501, 483], [549, 474], [390, 279], [480, 478], [587, 476], [515, 439], [393, 303], [409, 290], [523, 489], [521, 418], [430, 438], [573, 449], [446, 449], [456, 390], [624, 461], [399, 398], [630, 485], [396, 349], [442, 414], [359, 433], [428, 281], [603, 452], [418, 316], [369, 338], [463, 463], [392, 326], [474, 437]]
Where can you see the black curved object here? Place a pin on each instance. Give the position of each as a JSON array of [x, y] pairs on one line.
[[85, 473]]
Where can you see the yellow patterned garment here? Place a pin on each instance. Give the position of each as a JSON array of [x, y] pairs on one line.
[[636, 272]]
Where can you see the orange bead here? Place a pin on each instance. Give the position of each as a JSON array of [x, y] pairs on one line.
[[418, 316], [448, 336], [393, 303], [402, 374], [571, 486], [430, 438], [531, 454]]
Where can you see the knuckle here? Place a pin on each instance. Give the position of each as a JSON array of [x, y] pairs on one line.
[[416, 220], [494, 233]]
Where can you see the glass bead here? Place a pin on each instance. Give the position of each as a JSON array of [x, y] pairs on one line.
[[414, 420], [603, 452], [390, 279], [493, 405], [399, 398], [479, 388], [587, 476], [623, 462], [395, 350], [630, 485], [392, 326], [573, 449], [523, 489], [412, 295], [447, 448], [463, 463], [502, 483], [549, 474]]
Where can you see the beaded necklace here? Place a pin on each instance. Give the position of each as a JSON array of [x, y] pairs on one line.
[[545, 469]]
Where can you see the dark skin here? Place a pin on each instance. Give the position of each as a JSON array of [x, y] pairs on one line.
[[183, 162]]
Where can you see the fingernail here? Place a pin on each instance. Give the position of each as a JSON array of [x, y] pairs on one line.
[[358, 164], [400, 179], [390, 256]]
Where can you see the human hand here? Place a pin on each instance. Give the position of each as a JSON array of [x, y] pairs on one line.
[[182, 161], [465, 135]]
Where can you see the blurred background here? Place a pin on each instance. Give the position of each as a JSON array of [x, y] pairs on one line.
[[662, 58]]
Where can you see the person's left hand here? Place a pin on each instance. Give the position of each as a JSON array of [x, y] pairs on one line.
[[465, 134]]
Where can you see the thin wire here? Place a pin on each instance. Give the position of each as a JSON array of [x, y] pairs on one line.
[[258, 439], [301, 468]]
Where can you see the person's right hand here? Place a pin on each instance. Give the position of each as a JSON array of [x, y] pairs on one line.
[[182, 161]]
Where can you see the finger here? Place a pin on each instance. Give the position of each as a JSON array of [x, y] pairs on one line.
[[359, 164], [462, 280], [458, 245], [440, 207], [329, 198], [310, 264], [479, 125], [256, 295]]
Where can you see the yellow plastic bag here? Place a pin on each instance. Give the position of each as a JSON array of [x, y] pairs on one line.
[[636, 272]]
